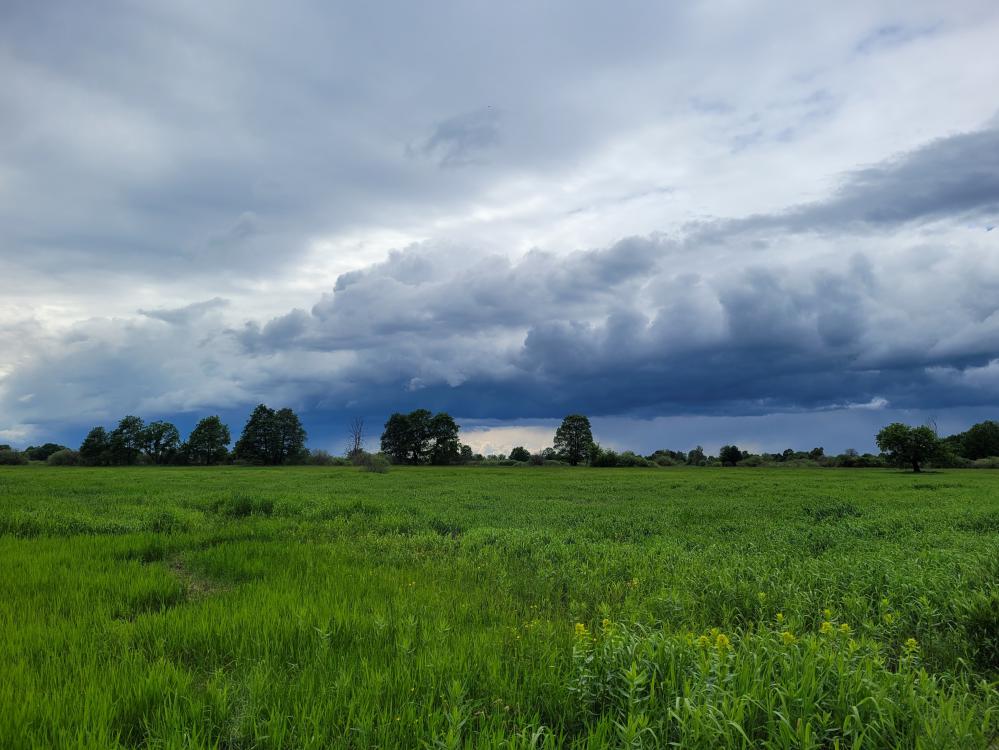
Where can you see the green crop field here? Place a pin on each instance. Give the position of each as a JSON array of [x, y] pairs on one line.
[[328, 607]]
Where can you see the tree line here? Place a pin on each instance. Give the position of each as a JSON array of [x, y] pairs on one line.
[[270, 437], [275, 437]]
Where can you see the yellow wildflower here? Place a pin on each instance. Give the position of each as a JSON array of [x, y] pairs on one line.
[[703, 641], [762, 596], [581, 631], [722, 642], [828, 613], [889, 618], [911, 646], [605, 623], [788, 637], [826, 627], [844, 629], [780, 618]]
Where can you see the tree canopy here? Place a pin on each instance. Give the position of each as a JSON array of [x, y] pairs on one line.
[[729, 455], [421, 437], [209, 441], [908, 446], [520, 453], [160, 442], [96, 448], [574, 439], [271, 437]]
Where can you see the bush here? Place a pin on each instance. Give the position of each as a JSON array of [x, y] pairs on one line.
[[992, 462], [42, 452], [751, 461], [65, 457], [662, 460], [537, 459], [12, 458], [853, 460], [631, 459], [603, 459], [325, 458], [374, 462]]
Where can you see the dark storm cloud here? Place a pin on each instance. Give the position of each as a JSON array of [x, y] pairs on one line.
[[633, 329], [950, 178]]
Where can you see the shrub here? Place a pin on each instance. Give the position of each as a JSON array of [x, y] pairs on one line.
[[632, 459], [65, 457], [375, 462], [751, 461], [325, 458], [602, 458], [992, 462], [12, 458], [663, 460]]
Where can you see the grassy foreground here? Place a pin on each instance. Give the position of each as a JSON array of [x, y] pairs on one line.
[[312, 607]]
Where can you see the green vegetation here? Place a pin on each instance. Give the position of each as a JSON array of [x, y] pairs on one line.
[[315, 607]]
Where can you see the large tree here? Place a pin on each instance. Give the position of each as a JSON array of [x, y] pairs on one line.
[[444, 448], [981, 440], [160, 441], [96, 448], [271, 437], [908, 446], [290, 437], [208, 442], [420, 436], [729, 455], [395, 438], [127, 440], [574, 438]]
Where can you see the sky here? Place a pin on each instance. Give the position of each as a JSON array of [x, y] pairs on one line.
[[697, 223]]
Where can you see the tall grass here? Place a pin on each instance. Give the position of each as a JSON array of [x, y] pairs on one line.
[[328, 607]]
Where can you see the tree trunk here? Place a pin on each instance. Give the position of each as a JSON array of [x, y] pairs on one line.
[[915, 467]]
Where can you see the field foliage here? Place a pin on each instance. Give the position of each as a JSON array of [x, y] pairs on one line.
[[320, 607]]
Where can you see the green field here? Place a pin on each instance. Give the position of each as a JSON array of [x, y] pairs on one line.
[[315, 607]]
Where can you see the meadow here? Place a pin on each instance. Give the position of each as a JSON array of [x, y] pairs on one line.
[[308, 607]]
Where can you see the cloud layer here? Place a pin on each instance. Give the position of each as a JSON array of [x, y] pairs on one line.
[[359, 211]]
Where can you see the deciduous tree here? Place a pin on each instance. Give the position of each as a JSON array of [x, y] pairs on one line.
[[96, 448], [127, 440], [908, 446], [729, 455], [520, 453], [573, 438], [209, 441], [160, 441]]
